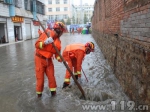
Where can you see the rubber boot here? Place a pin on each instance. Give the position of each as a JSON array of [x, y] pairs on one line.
[[76, 76], [65, 85], [53, 93], [39, 95]]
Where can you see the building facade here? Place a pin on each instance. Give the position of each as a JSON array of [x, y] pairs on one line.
[[58, 9], [84, 10], [64, 9], [18, 19]]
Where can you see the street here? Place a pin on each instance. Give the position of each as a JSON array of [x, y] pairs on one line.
[[17, 81]]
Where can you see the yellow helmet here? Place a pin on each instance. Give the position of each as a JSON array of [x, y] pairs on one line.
[[90, 45], [59, 25]]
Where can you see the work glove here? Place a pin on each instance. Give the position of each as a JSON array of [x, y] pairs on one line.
[[48, 41], [59, 59]]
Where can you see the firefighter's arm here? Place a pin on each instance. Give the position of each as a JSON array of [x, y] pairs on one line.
[[50, 39], [39, 44], [58, 58], [79, 56], [43, 40], [58, 45]]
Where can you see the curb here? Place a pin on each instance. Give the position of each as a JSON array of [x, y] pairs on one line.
[[6, 44]]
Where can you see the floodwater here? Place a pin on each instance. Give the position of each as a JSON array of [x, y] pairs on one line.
[[17, 82]]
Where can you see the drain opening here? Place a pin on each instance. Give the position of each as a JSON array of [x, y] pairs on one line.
[[91, 94]]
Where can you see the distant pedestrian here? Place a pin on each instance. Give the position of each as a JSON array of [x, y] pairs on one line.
[[16, 38], [3, 39], [78, 30], [88, 27], [70, 30], [73, 31]]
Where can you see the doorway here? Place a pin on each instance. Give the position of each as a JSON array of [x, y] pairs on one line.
[[2, 33], [17, 33]]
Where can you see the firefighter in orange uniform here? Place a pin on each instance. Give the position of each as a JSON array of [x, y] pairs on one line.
[[43, 58], [73, 55]]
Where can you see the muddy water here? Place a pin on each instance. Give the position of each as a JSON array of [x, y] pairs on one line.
[[17, 82]]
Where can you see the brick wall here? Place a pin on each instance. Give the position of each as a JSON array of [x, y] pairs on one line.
[[121, 28]]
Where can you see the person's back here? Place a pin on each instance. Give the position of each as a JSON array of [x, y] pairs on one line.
[[73, 30], [70, 30], [73, 47], [3, 39]]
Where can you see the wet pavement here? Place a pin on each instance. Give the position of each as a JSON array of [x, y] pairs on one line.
[[17, 82]]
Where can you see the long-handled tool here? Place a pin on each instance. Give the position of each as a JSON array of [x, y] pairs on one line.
[[84, 75], [64, 62]]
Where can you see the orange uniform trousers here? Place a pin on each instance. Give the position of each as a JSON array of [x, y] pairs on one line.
[[44, 66], [72, 63]]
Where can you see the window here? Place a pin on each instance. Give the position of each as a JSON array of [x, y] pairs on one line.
[[51, 17], [49, 9], [27, 5], [57, 8], [40, 8], [57, 2], [65, 8], [65, 16], [57, 17], [49, 1], [18, 3], [65, 1]]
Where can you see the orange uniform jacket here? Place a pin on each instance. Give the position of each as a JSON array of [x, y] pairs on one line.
[[77, 51], [46, 65], [47, 50]]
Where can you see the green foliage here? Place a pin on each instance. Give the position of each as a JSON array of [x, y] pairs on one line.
[[77, 21], [85, 19], [63, 21], [68, 21], [73, 20], [90, 30]]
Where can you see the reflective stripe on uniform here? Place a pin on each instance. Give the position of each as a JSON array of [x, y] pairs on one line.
[[78, 72], [75, 74], [67, 80], [40, 45], [39, 92], [52, 89]]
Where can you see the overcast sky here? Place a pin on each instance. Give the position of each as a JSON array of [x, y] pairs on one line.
[[90, 2]]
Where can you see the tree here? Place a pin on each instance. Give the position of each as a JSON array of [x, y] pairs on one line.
[[73, 20], [77, 21], [68, 21], [63, 21], [85, 19]]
